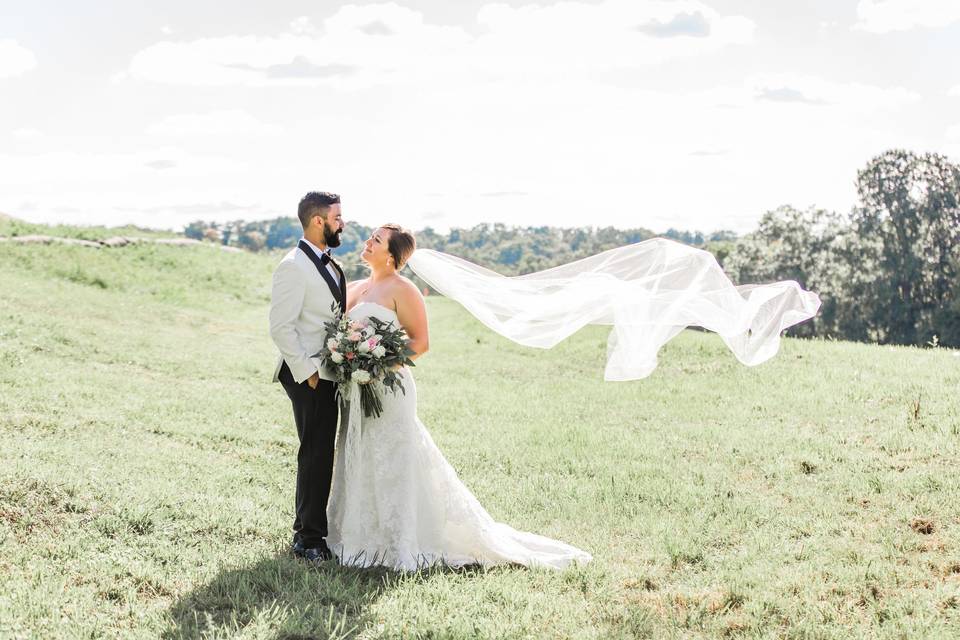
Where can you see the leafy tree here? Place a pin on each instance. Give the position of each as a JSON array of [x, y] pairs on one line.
[[790, 244], [910, 204], [283, 232], [212, 234], [230, 232], [195, 230], [889, 271], [506, 249], [947, 318], [687, 237], [724, 235], [253, 240]]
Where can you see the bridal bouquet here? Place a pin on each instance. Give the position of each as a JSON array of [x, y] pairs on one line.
[[365, 352]]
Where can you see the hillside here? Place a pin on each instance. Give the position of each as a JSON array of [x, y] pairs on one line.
[[147, 475], [10, 226]]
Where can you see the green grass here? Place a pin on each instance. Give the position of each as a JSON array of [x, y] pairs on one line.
[[147, 468]]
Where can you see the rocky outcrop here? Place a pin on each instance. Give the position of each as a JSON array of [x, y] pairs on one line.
[[115, 241], [36, 239]]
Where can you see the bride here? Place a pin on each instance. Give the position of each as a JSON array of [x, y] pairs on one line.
[[397, 502]]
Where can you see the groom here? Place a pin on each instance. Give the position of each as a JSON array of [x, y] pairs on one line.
[[306, 283]]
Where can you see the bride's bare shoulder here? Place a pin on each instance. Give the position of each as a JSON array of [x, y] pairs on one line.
[[353, 284], [405, 286]]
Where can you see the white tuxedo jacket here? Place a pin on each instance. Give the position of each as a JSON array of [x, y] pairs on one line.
[[300, 302]]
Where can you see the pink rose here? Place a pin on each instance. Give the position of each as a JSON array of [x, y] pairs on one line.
[[350, 355], [354, 337]]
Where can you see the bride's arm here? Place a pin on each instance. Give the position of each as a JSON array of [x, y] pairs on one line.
[[412, 314]]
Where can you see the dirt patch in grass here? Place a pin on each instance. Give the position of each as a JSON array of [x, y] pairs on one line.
[[30, 506], [924, 526]]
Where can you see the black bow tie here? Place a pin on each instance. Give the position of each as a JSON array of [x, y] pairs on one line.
[[326, 258]]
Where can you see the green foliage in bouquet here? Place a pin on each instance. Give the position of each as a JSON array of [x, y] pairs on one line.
[[368, 353]]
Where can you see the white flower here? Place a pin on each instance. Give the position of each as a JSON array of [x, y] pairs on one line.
[[360, 376], [336, 357], [363, 347], [378, 337], [379, 351], [367, 332], [332, 344], [339, 336]]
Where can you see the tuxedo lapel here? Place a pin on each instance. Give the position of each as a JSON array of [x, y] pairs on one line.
[[337, 291], [343, 282]]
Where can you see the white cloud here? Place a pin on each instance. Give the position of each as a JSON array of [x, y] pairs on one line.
[[613, 34], [15, 59], [549, 153], [534, 115], [346, 55], [387, 44], [303, 26], [226, 122], [815, 91], [884, 16]]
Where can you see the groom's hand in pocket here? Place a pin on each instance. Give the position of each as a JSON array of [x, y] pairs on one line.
[[314, 380]]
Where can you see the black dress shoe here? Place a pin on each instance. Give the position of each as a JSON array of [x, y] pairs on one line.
[[297, 547], [314, 554]]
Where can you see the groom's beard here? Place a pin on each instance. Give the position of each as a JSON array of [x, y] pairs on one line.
[[331, 237]]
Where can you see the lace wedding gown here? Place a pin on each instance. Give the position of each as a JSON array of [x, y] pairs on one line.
[[398, 503]]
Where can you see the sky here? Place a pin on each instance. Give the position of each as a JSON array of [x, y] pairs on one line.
[[692, 114]]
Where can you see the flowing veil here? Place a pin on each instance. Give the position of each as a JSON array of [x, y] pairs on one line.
[[647, 291]]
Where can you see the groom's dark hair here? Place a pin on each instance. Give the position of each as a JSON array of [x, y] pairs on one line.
[[313, 204]]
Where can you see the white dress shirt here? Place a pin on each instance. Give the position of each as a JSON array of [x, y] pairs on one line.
[[330, 267]]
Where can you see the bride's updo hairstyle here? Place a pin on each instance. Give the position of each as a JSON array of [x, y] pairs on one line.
[[401, 244]]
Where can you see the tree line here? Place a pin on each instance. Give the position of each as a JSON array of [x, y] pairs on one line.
[[886, 271], [511, 250]]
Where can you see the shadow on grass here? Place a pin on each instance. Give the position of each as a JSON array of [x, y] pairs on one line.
[[286, 599], [278, 597]]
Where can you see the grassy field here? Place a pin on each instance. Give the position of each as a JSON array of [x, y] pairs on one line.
[[147, 468]]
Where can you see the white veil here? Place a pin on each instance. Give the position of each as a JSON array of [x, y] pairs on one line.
[[648, 291]]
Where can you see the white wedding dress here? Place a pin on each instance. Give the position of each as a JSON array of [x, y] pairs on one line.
[[396, 502]]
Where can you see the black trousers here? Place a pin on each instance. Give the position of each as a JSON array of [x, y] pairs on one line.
[[315, 411]]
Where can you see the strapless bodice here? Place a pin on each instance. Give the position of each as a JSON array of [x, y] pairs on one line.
[[366, 309]]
